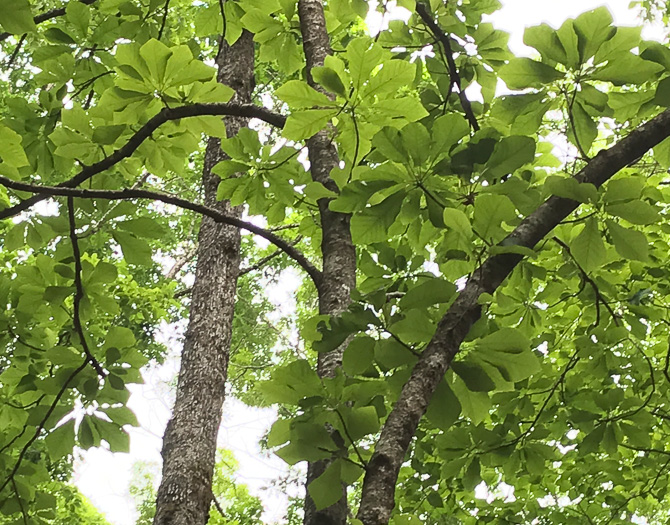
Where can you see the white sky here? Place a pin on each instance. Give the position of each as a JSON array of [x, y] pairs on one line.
[[104, 477]]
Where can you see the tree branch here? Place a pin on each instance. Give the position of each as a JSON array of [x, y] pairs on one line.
[[42, 424], [54, 13], [163, 116], [454, 77], [380, 479], [137, 193], [79, 289]]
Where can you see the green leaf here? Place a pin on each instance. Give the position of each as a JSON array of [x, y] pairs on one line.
[[329, 79], [545, 39], [122, 416], [570, 42], [416, 327], [431, 291], [444, 407], [143, 227], [635, 212], [588, 248], [119, 337], [373, 223], [510, 154], [11, 151], [360, 422], [447, 130], [473, 376], [135, 251], [60, 442], [305, 124], [359, 355], [107, 135], [627, 69], [630, 244], [491, 210], [299, 94], [363, 56], [326, 490], [593, 28], [458, 222], [571, 188], [16, 17], [523, 73], [583, 129]]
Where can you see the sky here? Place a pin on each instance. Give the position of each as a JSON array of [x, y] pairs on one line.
[[104, 477]]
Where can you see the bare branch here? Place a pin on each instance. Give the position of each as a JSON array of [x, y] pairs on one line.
[[217, 216]]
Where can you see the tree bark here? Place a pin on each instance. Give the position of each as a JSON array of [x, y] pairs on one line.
[[378, 495], [339, 255], [189, 444]]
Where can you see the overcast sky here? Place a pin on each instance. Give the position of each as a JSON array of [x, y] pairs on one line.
[[104, 477]]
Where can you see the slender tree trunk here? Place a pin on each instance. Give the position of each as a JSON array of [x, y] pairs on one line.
[[339, 255], [189, 444]]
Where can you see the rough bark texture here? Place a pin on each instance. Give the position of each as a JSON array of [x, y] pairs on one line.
[[189, 444], [382, 473], [339, 255]]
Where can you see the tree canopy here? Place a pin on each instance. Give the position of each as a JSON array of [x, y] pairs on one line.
[[482, 325]]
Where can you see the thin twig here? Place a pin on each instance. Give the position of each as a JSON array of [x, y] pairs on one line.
[[79, 290], [600, 298], [454, 76], [165, 15], [16, 51]]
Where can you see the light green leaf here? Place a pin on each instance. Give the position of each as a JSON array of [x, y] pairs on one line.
[[16, 17], [430, 292], [546, 41], [635, 212], [593, 28], [588, 248], [305, 124], [630, 244], [458, 222], [491, 210], [135, 251], [522, 73], [571, 188], [156, 55], [299, 94], [627, 69], [393, 75]]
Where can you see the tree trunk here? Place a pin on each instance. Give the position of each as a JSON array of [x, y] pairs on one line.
[[189, 444], [339, 255]]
